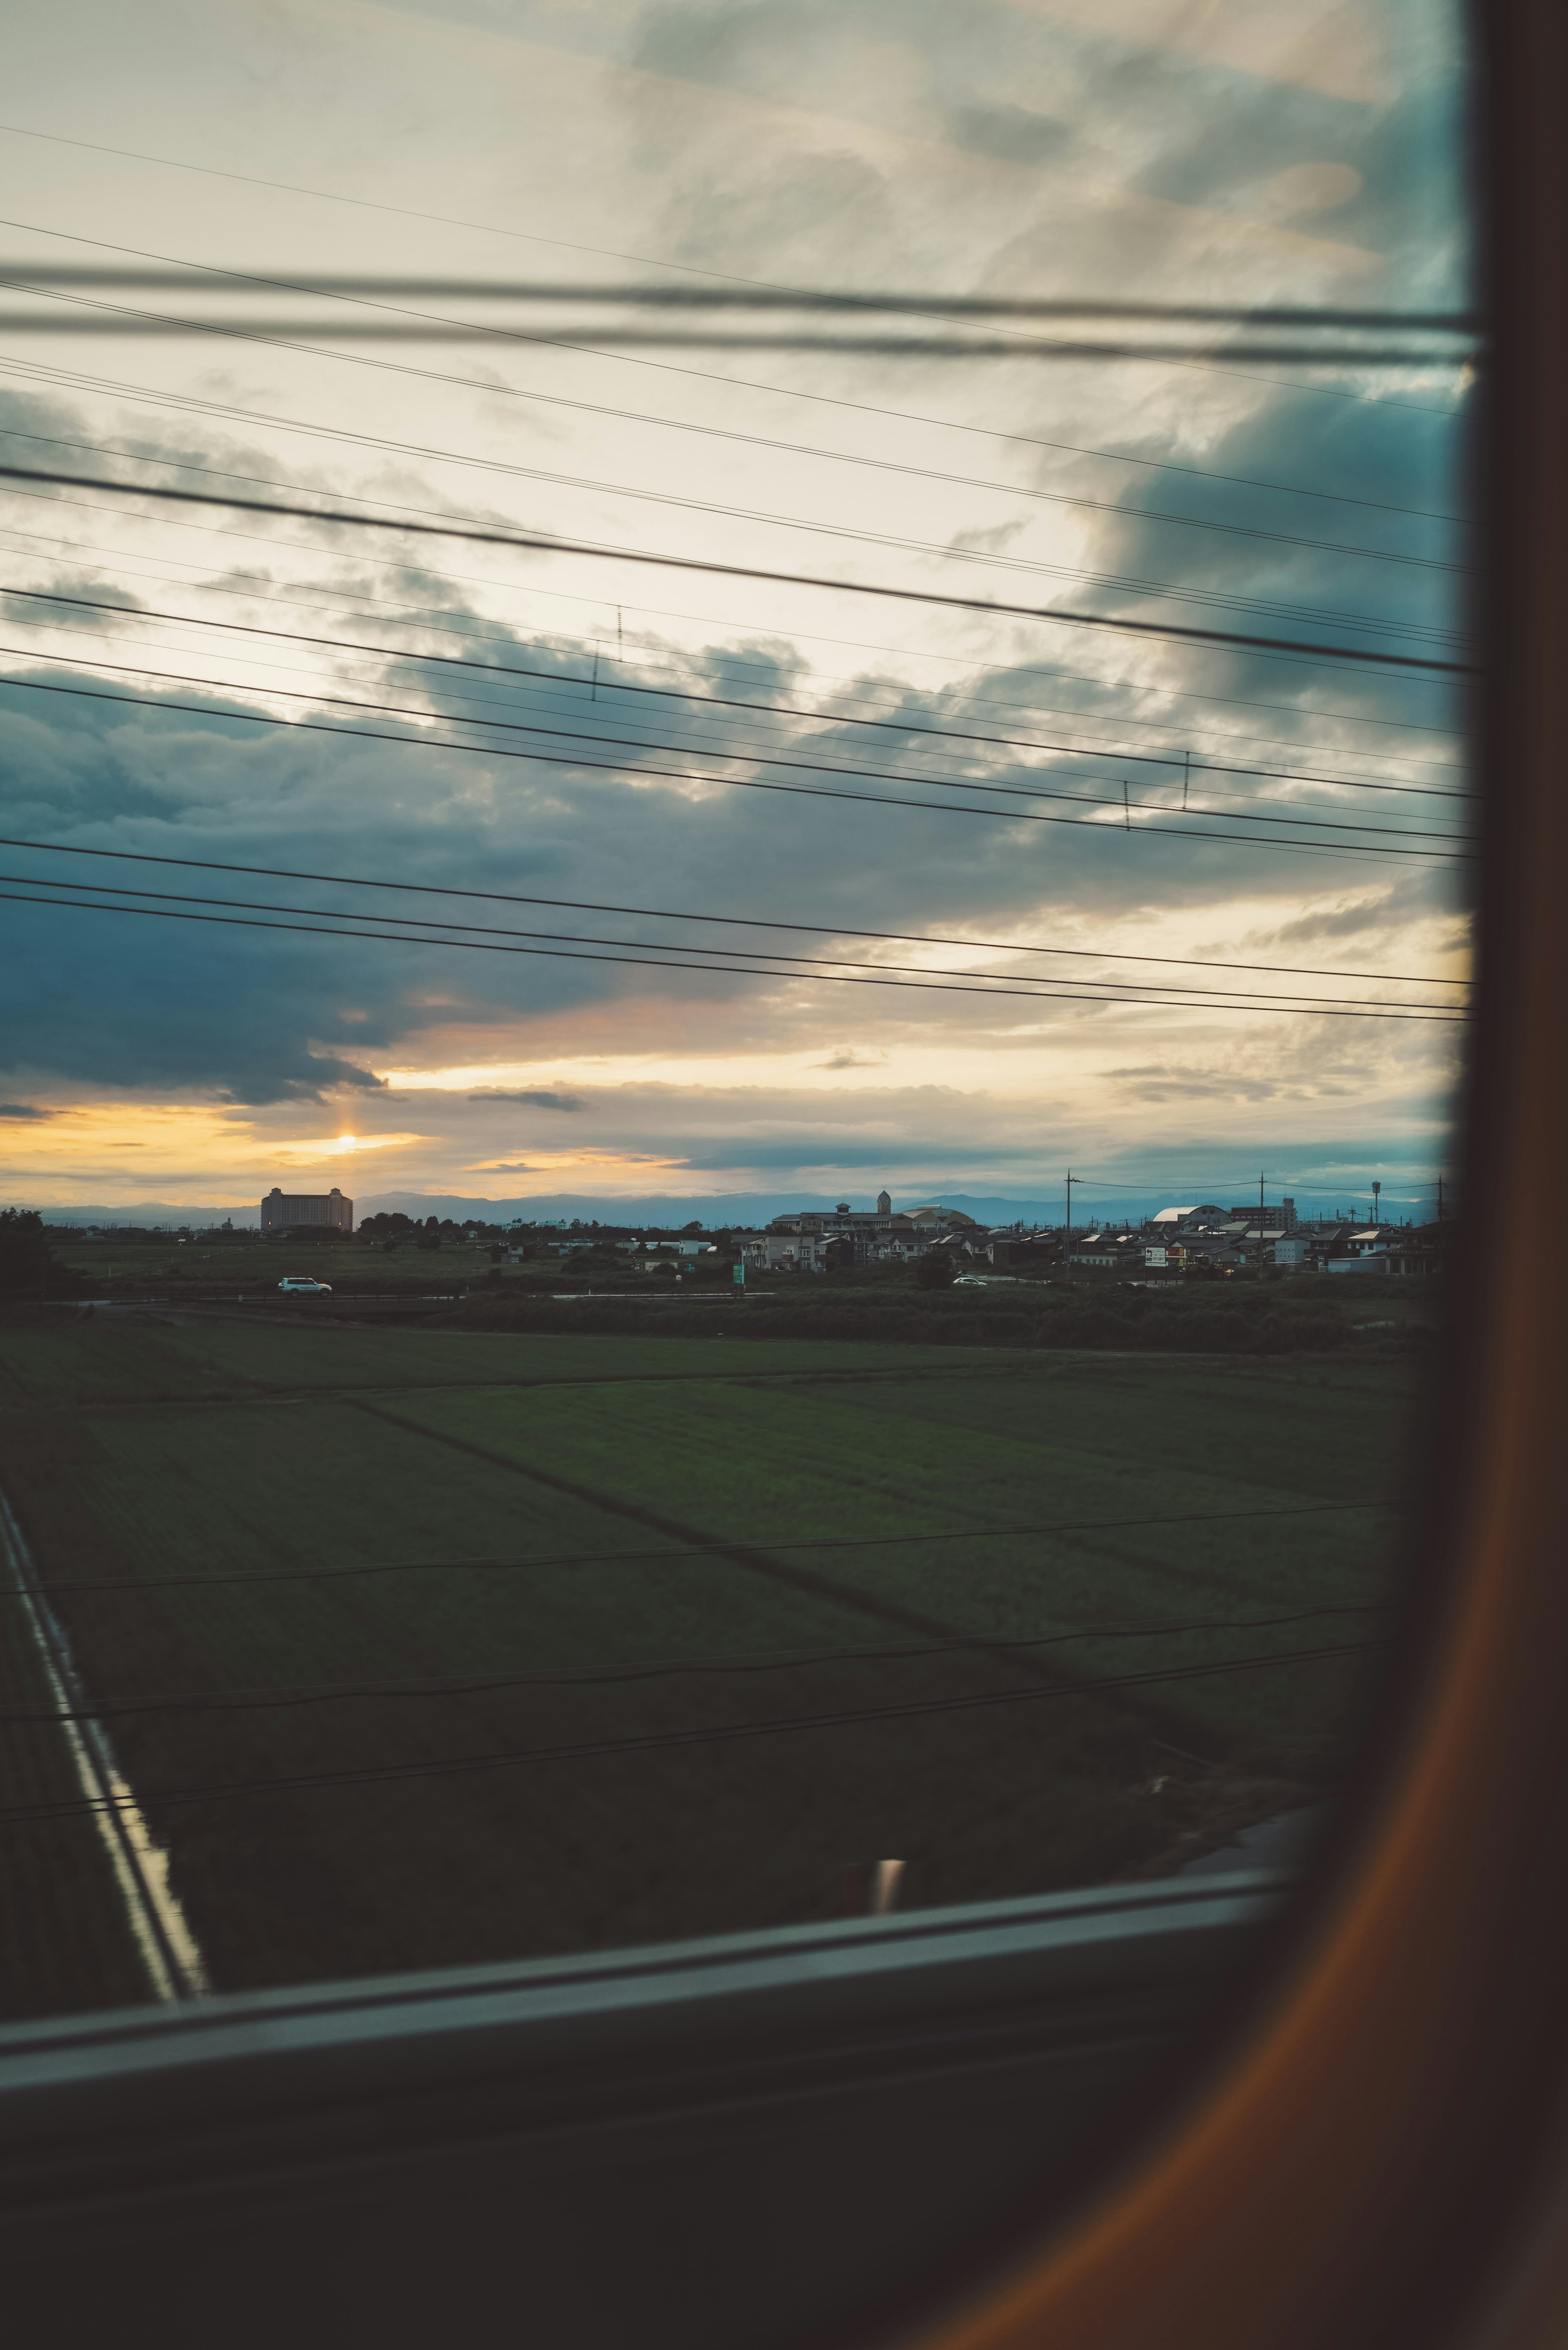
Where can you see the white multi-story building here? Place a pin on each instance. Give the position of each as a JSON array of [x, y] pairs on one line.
[[282, 1211]]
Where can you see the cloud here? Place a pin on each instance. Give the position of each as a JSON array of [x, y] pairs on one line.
[[993, 538], [24, 1110], [1013, 134], [1345, 918], [1159, 1081], [543, 1099], [905, 143]]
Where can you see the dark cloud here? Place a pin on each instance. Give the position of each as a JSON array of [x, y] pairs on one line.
[[259, 1015], [1171, 1082], [1352, 918], [1013, 134], [77, 591], [991, 538], [543, 1100], [24, 1110]]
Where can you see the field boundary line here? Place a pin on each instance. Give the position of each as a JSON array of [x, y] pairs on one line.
[[164, 1941], [757, 1561]]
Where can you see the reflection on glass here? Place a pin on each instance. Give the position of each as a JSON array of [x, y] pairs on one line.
[[398, 1571]]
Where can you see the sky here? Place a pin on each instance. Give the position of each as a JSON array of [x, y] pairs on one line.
[[674, 755]]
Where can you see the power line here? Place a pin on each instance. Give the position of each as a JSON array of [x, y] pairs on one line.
[[51, 285], [185, 402], [759, 296], [732, 702], [1136, 586], [600, 739], [735, 783], [809, 449], [1244, 999], [1352, 849], [1014, 342], [587, 1749], [522, 235], [685, 914], [539, 543], [947, 552], [562, 595], [1038, 992], [88, 314], [706, 1550]]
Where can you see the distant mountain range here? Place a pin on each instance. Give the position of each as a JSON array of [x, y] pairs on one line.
[[711, 1209], [144, 1211]]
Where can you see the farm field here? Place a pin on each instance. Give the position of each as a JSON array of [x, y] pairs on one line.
[[423, 1647]]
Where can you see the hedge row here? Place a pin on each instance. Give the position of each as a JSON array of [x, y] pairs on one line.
[[1162, 1329]]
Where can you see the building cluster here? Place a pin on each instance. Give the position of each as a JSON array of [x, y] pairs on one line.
[[824, 1240], [1206, 1241]]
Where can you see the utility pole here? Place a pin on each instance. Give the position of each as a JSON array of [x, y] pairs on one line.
[[1067, 1244], [1376, 1194], [1440, 1199]]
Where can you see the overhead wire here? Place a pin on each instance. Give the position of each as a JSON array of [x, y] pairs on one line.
[[804, 449], [600, 736], [946, 552], [608, 684], [443, 623], [1351, 849], [188, 404], [688, 269], [1164, 691], [686, 914], [94, 314], [534, 542], [758, 295], [1203, 999], [1333, 656], [1041, 991]]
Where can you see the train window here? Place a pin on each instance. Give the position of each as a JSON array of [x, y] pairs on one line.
[[490, 490]]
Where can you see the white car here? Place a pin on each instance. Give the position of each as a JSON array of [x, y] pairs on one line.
[[295, 1284]]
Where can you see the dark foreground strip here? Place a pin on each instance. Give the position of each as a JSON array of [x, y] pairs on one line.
[[510, 1758]]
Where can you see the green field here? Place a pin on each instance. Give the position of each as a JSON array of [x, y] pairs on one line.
[[663, 1636]]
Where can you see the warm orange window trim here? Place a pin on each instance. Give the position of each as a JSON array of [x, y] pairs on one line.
[[1386, 2161]]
